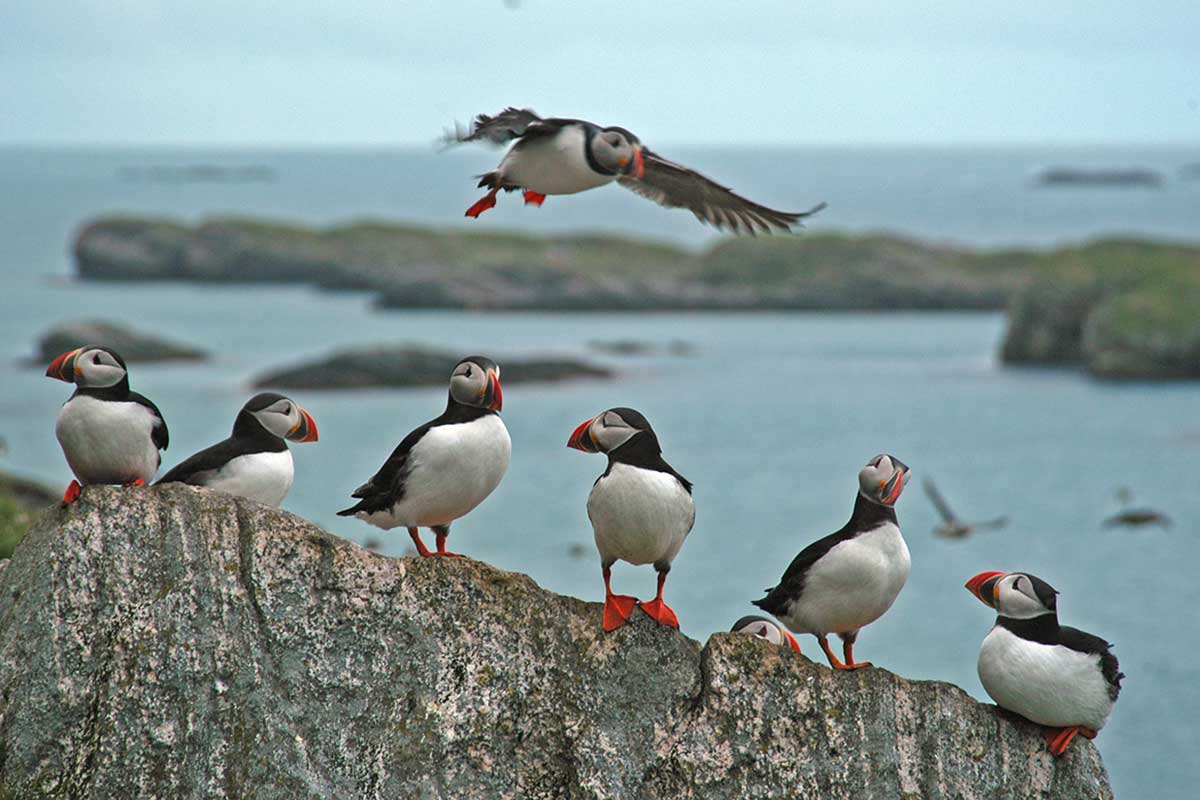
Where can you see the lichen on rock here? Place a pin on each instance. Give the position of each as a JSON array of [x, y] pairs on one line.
[[176, 642]]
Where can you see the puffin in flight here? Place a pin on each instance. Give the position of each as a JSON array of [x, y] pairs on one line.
[[850, 578], [254, 462], [641, 509], [764, 628], [109, 434], [1053, 675], [446, 467], [567, 156]]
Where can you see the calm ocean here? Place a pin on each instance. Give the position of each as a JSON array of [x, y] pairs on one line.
[[771, 418]]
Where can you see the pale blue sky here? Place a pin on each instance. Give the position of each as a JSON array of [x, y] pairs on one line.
[[380, 72]]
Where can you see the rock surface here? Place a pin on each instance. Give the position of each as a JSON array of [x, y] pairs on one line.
[[134, 346], [172, 642], [21, 500], [413, 365]]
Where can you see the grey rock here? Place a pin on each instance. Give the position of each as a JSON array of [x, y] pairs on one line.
[[134, 346], [174, 642], [413, 365]]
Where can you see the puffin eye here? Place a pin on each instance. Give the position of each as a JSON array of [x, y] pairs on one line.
[[96, 358], [468, 372], [287, 409]]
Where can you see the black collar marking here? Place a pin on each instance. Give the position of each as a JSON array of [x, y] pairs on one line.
[[642, 450], [867, 515], [589, 134]]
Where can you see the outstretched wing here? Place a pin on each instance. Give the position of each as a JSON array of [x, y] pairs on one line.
[[675, 186], [511, 123], [938, 501]]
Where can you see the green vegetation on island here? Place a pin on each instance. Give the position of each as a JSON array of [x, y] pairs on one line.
[[1121, 308]]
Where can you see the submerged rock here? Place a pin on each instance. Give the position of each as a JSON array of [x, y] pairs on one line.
[[413, 365], [134, 346], [176, 642]]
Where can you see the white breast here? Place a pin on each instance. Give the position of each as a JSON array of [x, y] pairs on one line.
[[553, 164], [452, 469], [107, 441], [853, 584], [262, 477], [1047, 684], [640, 515]]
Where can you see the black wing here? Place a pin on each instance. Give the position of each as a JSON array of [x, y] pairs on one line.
[[791, 585], [675, 186], [938, 501], [1083, 642], [158, 434], [386, 486], [200, 467], [511, 123]]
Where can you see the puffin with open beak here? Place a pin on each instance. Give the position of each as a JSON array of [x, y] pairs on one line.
[[109, 434], [850, 578], [254, 462], [567, 156], [445, 468], [641, 509], [1051, 674]]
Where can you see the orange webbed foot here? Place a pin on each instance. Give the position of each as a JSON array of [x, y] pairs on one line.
[[74, 490], [482, 204], [534, 199], [1059, 739], [617, 608], [660, 612]]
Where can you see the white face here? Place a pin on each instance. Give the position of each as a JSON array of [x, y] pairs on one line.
[[763, 630], [613, 151], [883, 479], [280, 418], [610, 431], [97, 369], [470, 384], [1016, 597]]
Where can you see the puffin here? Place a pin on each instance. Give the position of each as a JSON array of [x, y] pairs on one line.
[[1053, 675], [764, 628], [109, 434], [254, 462], [641, 509], [568, 156], [446, 467], [850, 578]]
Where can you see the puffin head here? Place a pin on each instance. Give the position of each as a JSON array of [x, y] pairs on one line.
[[476, 382], [281, 417], [883, 479], [1017, 595], [619, 151], [92, 367], [609, 430], [764, 628]]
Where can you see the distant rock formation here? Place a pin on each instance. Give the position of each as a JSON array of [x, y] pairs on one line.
[[413, 365], [176, 642], [1115, 177], [134, 346]]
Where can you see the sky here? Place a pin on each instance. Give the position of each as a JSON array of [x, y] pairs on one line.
[[389, 72]]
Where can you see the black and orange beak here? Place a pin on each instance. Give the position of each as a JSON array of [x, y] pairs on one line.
[[639, 166], [890, 491], [493, 395], [63, 367], [985, 587], [581, 438], [305, 430]]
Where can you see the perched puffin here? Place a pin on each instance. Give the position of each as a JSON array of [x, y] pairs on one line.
[[566, 156], [848, 579], [764, 628], [641, 509], [254, 462], [446, 467], [108, 433], [1048, 673]]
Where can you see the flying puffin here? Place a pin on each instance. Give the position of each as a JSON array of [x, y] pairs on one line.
[[848, 579], [566, 156], [1048, 673], [764, 628], [254, 462], [108, 433], [641, 508], [446, 467]]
